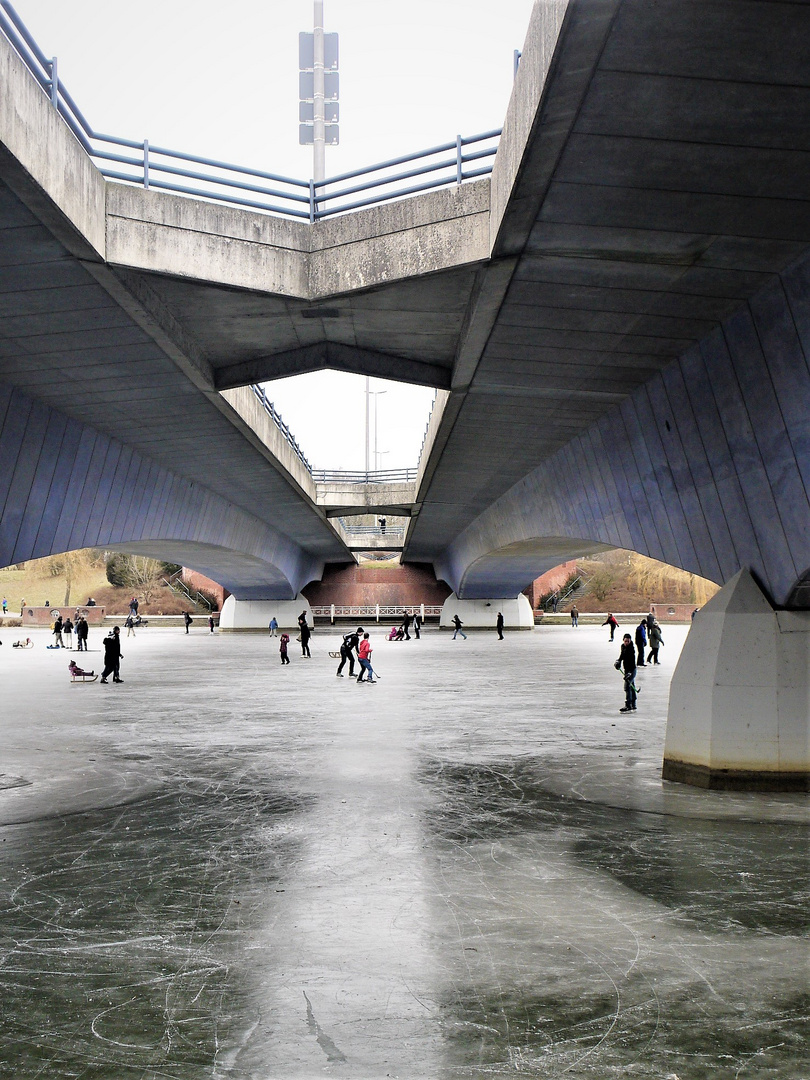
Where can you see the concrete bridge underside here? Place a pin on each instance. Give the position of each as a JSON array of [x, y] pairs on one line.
[[617, 320]]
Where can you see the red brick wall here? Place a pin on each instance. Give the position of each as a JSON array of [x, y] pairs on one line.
[[206, 585], [551, 580], [350, 586]]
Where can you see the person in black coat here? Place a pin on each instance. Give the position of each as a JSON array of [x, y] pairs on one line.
[[350, 645], [306, 633], [112, 656], [499, 625], [627, 663]]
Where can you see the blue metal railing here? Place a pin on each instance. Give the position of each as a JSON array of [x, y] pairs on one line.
[[275, 416], [377, 476], [446, 164]]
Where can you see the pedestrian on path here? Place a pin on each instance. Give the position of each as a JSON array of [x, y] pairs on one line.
[[273, 627], [112, 655], [627, 663], [364, 656], [5, 606], [187, 620], [656, 641], [499, 625], [641, 641], [574, 616], [306, 633], [348, 648], [282, 648], [612, 622], [458, 625]]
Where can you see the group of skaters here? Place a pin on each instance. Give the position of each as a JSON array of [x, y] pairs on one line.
[[402, 632], [63, 631], [633, 656]]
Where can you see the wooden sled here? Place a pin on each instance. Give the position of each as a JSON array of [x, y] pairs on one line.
[[334, 655], [83, 678]]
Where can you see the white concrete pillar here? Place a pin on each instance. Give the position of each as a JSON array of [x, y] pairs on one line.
[[482, 614], [739, 703], [256, 614]]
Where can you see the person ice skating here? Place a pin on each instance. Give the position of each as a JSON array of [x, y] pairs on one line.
[[77, 672], [364, 656], [112, 656], [273, 626], [81, 633], [211, 623], [57, 633], [187, 620], [499, 625], [348, 648], [306, 633], [627, 663], [130, 624], [612, 622], [417, 625], [282, 648], [574, 613], [67, 630], [656, 641], [641, 641], [458, 625], [406, 625]]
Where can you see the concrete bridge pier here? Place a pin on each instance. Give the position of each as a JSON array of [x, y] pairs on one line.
[[481, 614], [739, 707], [252, 615]]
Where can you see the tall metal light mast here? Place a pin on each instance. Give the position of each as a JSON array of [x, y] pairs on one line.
[[318, 87]]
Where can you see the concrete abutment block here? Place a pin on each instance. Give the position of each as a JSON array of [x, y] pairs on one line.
[[739, 706]]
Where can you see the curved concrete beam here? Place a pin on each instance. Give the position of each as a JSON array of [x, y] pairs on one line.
[[705, 467], [64, 485]]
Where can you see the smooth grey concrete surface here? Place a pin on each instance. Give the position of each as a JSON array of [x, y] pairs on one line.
[[225, 868]]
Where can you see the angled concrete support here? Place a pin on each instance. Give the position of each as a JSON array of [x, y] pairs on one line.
[[739, 706], [255, 615], [481, 614]]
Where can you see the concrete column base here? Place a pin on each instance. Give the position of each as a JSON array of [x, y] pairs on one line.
[[739, 704], [481, 614], [255, 615]]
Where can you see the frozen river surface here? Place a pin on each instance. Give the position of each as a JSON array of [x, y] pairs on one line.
[[226, 868]]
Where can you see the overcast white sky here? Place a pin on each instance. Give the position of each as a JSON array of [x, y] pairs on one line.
[[221, 80]]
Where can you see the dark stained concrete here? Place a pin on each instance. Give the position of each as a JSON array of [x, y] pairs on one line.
[[472, 869]]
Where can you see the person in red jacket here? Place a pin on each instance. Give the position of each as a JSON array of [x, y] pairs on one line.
[[364, 656]]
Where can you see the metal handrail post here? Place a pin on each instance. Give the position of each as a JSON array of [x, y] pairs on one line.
[[459, 163], [54, 84], [146, 164], [311, 201]]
